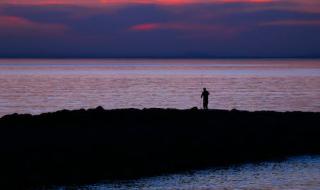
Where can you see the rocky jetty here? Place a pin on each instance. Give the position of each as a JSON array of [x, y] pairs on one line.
[[83, 146]]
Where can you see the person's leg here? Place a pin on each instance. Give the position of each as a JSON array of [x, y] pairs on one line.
[[205, 106]]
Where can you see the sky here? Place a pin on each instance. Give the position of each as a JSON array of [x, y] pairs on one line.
[[159, 28]]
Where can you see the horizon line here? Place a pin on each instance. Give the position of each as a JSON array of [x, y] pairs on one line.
[[157, 57]]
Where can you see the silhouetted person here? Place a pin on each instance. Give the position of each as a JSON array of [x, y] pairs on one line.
[[205, 96]]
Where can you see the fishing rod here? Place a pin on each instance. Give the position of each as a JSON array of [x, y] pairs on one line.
[[201, 83]]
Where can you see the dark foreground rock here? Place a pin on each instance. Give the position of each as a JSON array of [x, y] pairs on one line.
[[90, 145]]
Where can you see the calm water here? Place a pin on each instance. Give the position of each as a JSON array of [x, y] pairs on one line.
[[36, 86], [301, 173]]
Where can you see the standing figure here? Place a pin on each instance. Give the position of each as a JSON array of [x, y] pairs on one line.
[[205, 96]]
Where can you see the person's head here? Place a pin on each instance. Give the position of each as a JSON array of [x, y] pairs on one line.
[[204, 89]]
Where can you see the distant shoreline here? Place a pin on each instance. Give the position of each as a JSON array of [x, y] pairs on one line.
[[83, 146], [167, 58]]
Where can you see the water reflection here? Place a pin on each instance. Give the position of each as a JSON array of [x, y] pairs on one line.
[[301, 173]]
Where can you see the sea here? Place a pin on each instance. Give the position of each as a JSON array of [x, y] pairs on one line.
[[299, 173], [35, 86]]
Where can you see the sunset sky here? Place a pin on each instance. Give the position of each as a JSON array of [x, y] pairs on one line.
[[160, 28]]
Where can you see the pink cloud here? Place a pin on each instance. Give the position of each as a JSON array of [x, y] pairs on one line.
[[293, 5], [292, 23], [88, 2], [173, 26], [12, 25], [190, 29], [146, 27], [168, 2]]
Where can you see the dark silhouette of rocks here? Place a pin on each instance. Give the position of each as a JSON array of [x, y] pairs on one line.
[[90, 145]]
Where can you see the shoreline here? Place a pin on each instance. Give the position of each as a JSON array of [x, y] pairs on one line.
[[83, 146]]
